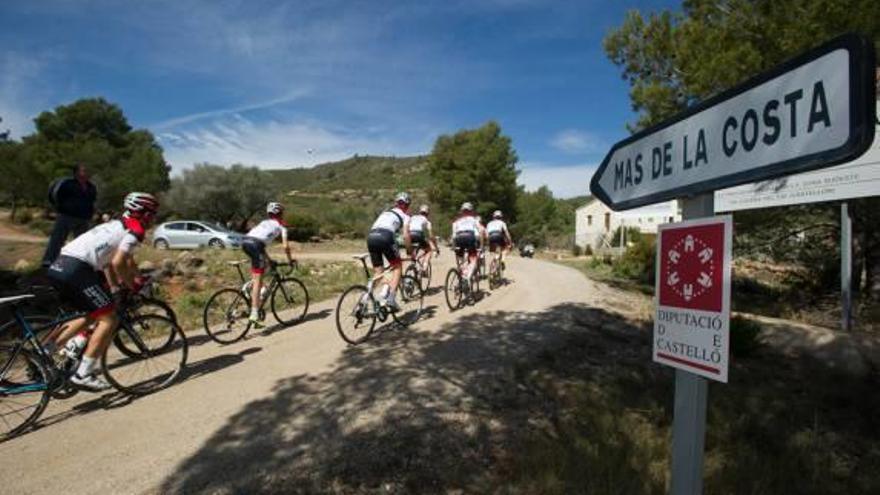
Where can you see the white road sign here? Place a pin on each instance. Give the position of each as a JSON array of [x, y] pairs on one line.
[[808, 113], [856, 179]]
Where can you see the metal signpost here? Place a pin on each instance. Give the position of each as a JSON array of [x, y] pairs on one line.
[[813, 111]]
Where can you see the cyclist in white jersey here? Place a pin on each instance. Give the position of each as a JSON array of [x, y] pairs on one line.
[[467, 233], [107, 248], [422, 234], [254, 245], [381, 243], [499, 236]]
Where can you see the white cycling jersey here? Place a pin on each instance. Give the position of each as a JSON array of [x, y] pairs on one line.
[[391, 220], [97, 246], [466, 223], [267, 230], [496, 226], [419, 223]]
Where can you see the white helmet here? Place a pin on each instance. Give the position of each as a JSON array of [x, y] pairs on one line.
[[424, 210], [274, 208], [497, 214], [139, 202], [403, 197], [467, 206]]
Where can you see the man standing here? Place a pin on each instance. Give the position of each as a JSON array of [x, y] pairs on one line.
[[74, 201]]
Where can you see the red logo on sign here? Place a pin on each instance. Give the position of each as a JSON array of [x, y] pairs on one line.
[[692, 267]]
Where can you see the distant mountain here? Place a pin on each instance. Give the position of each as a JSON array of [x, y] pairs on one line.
[[358, 173], [344, 197]]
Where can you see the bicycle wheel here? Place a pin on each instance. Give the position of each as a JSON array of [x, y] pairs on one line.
[[452, 289], [355, 314], [475, 294], [412, 270], [157, 363], [226, 316], [145, 306], [410, 299], [494, 276], [24, 390], [426, 276], [291, 299]]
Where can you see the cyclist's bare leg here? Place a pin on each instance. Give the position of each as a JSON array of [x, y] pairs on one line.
[[98, 343], [101, 336], [62, 333], [255, 290]]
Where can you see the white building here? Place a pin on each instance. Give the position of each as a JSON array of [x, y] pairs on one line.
[[595, 223]]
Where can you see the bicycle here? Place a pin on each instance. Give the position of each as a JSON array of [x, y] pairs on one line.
[[458, 290], [496, 271], [360, 307], [226, 314], [28, 373], [421, 270]]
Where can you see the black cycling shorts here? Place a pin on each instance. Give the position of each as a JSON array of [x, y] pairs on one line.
[[465, 241], [497, 239], [419, 241], [255, 249], [381, 243], [80, 285]]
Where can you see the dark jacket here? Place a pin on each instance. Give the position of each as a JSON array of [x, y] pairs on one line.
[[71, 198]]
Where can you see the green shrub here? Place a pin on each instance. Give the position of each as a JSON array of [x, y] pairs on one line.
[[302, 227], [744, 336], [638, 262]]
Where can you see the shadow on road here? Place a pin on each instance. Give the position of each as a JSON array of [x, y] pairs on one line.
[[419, 412], [562, 401]]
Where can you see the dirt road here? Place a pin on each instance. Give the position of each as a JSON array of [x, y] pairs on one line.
[[296, 409]]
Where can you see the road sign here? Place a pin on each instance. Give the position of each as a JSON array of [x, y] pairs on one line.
[[692, 320], [856, 179], [813, 111]]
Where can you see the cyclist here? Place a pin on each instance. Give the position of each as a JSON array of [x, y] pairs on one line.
[[422, 235], [108, 247], [381, 243], [254, 246], [499, 236], [466, 234]]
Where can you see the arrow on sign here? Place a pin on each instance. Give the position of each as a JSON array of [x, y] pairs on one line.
[[813, 111]]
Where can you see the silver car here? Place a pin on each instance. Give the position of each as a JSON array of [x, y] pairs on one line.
[[188, 234]]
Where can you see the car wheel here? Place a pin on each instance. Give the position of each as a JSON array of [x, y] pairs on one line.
[[160, 244], [216, 244]]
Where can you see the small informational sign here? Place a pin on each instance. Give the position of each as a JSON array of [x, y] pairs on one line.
[[814, 111], [856, 179], [692, 320]]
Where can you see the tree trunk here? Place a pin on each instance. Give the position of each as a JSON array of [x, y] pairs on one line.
[[13, 209]]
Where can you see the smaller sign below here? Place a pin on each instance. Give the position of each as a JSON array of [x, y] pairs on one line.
[[856, 179], [692, 320]]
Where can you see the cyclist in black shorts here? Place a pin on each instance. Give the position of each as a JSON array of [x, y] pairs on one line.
[[499, 236], [467, 235], [422, 234], [77, 274], [381, 243], [254, 246]]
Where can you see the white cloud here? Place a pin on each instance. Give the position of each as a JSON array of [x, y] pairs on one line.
[[20, 91], [566, 181], [185, 119], [275, 143], [574, 141]]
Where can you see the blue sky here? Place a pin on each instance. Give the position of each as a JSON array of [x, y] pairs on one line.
[[280, 84]]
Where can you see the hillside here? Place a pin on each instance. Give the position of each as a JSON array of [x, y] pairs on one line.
[[342, 198]]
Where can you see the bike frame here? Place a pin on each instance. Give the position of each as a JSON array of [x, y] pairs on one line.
[[29, 335]]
